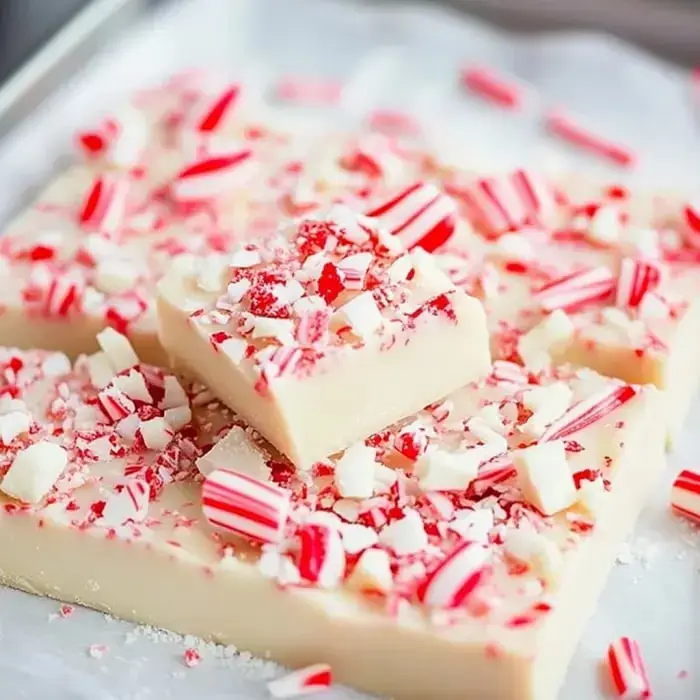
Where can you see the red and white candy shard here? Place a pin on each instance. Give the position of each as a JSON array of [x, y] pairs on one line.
[[691, 232], [685, 495], [628, 670], [321, 555], [213, 176], [420, 216], [213, 114], [104, 206], [130, 504], [510, 202], [576, 290], [588, 412], [305, 681], [636, 279], [495, 88], [456, 577], [244, 505]]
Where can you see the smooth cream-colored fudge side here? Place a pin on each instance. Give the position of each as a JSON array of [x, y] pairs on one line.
[[172, 571], [348, 394]]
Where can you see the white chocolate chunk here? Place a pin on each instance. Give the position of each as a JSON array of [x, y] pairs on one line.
[[134, 386], [156, 433], [514, 246], [178, 417], [174, 395], [552, 333], [244, 258], [547, 403], [405, 536], [100, 369], [592, 496], [362, 315], [357, 538], [235, 451], [544, 476], [118, 349], [34, 471], [115, 276], [56, 364], [491, 417], [280, 329], [531, 548], [355, 472], [605, 226], [372, 572], [473, 524]]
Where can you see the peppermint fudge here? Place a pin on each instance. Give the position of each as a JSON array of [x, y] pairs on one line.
[[473, 537], [597, 276], [322, 334]]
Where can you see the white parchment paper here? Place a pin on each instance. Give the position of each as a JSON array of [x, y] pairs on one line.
[[406, 58]]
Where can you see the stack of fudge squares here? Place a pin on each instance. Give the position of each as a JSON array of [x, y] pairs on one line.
[[335, 402]]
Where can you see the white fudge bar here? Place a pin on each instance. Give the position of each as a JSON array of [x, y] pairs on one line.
[[457, 554], [323, 334]]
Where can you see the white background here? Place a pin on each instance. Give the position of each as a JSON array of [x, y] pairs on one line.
[[405, 58]]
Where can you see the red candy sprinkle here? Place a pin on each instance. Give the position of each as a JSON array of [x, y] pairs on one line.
[[685, 495], [305, 681], [213, 114], [104, 206], [493, 87], [212, 176]]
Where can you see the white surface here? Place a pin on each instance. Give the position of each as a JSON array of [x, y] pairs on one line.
[[406, 59]]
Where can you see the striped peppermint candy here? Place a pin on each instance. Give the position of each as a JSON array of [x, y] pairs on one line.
[[321, 555], [685, 495], [456, 577], [576, 290], [244, 505], [589, 411], [636, 279], [628, 670], [213, 176], [212, 114], [305, 681], [115, 404], [61, 295], [420, 215], [104, 206], [497, 205]]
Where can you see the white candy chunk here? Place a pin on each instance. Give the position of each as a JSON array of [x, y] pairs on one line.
[[591, 496], [235, 291], [34, 471], [244, 258], [514, 245], [547, 403], [174, 394], [362, 315], [357, 538], [289, 292], [405, 536], [281, 329], [134, 386], [211, 273], [399, 270], [384, 478], [491, 416], [115, 276], [372, 572], [177, 418], [313, 302], [535, 550], [653, 307], [100, 369], [439, 470], [537, 345], [473, 525], [633, 329], [355, 472], [56, 364], [118, 349], [481, 430], [273, 565], [544, 476], [156, 433], [235, 451], [234, 348], [127, 427], [641, 242], [12, 424], [347, 508], [605, 226]]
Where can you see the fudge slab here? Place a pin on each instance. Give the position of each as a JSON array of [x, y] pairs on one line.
[[323, 334], [607, 278], [394, 588]]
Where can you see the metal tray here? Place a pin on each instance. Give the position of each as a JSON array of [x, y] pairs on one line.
[[402, 57]]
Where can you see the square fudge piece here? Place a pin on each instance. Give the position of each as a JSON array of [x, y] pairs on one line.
[[600, 277], [322, 334], [472, 538]]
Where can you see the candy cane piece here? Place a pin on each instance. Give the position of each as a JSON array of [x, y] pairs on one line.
[[246, 506], [635, 280], [691, 231], [308, 91], [576, 290], [104, 206], [321, 555], [573, 133], [493, 87], [628, 670], [685, 495], [392, 122], [420, 215], [456, 577], [213, 114], [589, 411], [305, 681], [213, 176]]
